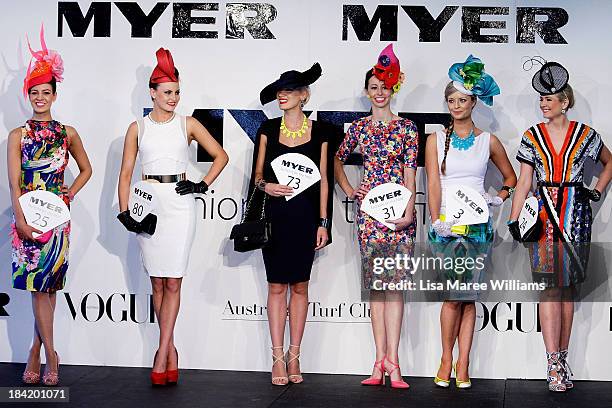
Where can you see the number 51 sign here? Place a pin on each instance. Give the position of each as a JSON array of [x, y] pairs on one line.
[[44, 210]]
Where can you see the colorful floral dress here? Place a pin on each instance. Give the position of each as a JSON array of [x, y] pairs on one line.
[[560, 256], [37, 266], [387, 149]]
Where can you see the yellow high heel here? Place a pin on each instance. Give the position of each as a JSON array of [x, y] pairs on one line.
[[459, 383], [440, 382]]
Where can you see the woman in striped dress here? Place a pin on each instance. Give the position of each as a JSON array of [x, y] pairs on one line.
[[556, 153]]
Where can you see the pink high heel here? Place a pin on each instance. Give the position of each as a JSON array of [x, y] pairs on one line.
[[394, 384], [52, 378], [376, 381]]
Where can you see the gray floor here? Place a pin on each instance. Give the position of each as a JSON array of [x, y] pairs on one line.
[[130, 387]]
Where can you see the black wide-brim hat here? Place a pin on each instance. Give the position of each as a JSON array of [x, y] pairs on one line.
[[290, 80], [552, 78]]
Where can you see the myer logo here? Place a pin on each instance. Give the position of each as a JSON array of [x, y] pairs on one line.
[[297, 167], [4, 301], [45, 204], [117, 307], [385, 197], [544, 22], [469, 202], [238, 17]]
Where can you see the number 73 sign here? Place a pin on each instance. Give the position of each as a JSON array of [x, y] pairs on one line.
[[296, 171]]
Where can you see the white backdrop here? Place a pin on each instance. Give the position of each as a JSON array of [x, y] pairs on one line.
[[222, 324]]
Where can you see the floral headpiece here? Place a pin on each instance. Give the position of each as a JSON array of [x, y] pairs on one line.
[[388, 69], [47, 65], [469, 78]]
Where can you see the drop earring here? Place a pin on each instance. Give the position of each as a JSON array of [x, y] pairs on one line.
[[302, 103], [563, 111]]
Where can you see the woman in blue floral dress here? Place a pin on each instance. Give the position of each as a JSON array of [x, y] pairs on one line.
[[37, 157], [389, 147]]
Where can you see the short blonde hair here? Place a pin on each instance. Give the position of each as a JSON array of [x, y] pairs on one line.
[[567, 95]]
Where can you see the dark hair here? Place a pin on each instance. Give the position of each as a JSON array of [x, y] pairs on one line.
[[368, 75], [154, 86], [53, 84]]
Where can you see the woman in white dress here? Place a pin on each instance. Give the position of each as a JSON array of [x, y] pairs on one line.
[[162, 139], [460, 155]]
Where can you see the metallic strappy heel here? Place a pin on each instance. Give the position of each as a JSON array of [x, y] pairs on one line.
[[294, 378], [283, 380]]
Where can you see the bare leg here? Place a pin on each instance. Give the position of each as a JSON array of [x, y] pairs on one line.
[[298, 309], [465, 337], [450, 317], [168, 314], [550, 319], [43, 305], [567, 319], [377, 317], [394, 313], [277, 318]]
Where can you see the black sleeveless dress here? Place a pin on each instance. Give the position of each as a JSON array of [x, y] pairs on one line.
[[289, 256]]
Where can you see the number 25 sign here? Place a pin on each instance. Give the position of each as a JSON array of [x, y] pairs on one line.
[[44, 210]]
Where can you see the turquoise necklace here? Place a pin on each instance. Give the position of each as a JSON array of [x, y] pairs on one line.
[[463, 143]]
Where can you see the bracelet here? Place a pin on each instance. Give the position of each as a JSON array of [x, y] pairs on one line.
[[324, 222], [509, 189], [261, 184]]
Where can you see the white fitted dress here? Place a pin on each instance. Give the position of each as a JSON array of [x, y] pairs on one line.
[[163, 150]]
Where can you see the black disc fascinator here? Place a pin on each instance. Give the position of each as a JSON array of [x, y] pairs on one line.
[[290, 80], [550, 79]]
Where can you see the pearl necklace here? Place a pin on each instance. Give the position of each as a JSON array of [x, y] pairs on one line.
[[161, 123], [291, 133]]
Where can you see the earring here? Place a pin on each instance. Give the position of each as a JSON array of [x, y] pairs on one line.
[[302, 103], [563, 111]]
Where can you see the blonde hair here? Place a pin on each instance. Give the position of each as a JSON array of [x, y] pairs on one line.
[[567, 95], [448, 91]]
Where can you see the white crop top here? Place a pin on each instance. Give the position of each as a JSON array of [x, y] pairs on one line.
[[163, 148], [465, 167]]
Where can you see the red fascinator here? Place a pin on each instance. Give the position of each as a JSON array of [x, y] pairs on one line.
[[48, 65], [164, 71], [388, 69]]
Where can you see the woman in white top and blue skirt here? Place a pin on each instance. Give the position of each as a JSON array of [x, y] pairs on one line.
[[460, 156], [162, 140]]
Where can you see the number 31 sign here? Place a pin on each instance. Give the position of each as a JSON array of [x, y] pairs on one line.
[[44, 210]]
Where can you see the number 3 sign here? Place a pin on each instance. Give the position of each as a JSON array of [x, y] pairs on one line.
[[44, 210], [142, 200]]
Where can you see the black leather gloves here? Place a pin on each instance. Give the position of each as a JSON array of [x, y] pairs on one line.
[[148, 224], [513, 226], [128, 222], [188, 187]]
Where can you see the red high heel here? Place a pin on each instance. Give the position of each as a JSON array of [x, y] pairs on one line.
[[158, 379], [376, 381], [394, 384], [173, 375]]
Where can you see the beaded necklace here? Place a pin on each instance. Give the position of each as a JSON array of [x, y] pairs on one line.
[[294, 133], [463, 143]]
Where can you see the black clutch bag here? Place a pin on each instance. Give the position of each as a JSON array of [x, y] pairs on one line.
[[251, 235], [149, 223]]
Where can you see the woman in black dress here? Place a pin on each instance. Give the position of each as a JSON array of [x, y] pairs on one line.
[[299, 226]]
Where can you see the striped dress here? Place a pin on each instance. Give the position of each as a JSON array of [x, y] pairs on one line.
[[560, 256]]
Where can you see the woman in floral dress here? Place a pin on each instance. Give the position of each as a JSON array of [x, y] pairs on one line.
[[388, 144], [37, 157]]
